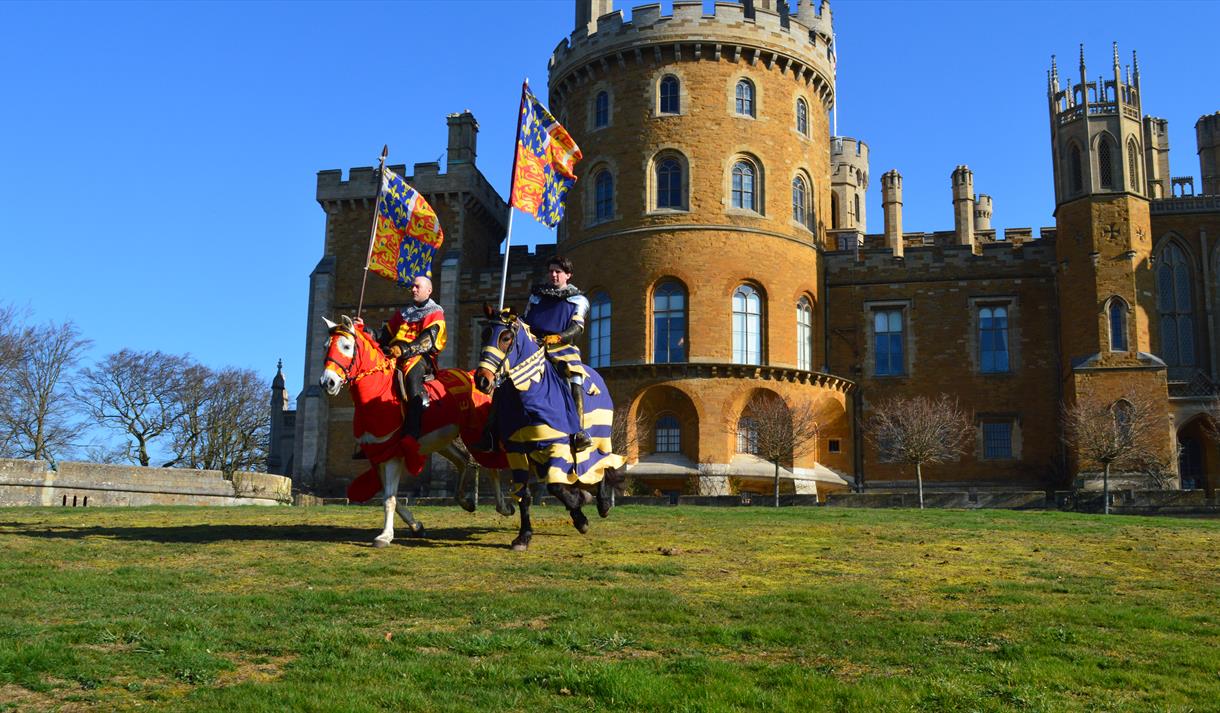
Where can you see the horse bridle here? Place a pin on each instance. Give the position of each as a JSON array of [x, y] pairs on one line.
[[348, 377]]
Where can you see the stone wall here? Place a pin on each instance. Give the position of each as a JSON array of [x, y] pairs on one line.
[[26, 482]]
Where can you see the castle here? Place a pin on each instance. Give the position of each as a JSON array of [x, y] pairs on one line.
[[719, 231]]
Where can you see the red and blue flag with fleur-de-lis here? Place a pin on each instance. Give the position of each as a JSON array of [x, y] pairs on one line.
[[408, 232], [545, 163]]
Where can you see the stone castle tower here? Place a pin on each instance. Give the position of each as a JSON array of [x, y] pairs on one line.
[[1106, 282], [701, 209]]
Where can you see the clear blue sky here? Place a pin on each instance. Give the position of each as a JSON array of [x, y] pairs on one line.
[[159, 159]]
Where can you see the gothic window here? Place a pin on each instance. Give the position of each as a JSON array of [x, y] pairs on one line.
[[669, 323], [1133, 165], [800, 201], [670, 183], [802, 117], [668, 435], [603, 190], [599, 330], [1077, 171], [1105, 163], [804, 334], [888, 344], [743, 193], [993, 339], [1118, 324], [1175, 307], [745, 98], [747, 326], [601, 110], [669, 95]]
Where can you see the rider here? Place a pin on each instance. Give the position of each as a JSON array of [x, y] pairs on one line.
[[415, 335], [556, 315]]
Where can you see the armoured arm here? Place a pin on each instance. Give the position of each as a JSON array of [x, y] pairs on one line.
[[422, 344]]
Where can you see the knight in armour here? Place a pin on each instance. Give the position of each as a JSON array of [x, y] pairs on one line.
[[415, 335], [556, 315]]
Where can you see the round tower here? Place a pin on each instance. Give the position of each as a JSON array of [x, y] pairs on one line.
[[849, 182], [982, 212], [695, 224]]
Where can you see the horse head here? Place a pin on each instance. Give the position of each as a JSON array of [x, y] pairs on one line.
[[504, 335], [350, 351]]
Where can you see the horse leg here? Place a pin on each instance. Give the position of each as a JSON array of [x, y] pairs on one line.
[[503, 505], [463, 466], [573, 499], [391, 471], [605, 492], [525, 533]]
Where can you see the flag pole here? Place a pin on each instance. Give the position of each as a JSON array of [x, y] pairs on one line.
[[385, 151], [508, 236]]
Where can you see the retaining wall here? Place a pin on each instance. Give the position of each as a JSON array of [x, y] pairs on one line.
[[26, 482]]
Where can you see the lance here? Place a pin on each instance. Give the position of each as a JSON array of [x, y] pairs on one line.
[[385, 151], [508, 236]]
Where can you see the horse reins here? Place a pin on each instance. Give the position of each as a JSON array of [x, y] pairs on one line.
[[346, 370]]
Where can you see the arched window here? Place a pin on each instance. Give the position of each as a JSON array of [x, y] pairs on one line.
[[1175, 307], [1077, 171], [1118, 325], [747, 326], [747, 435], [669, 323], [802, 117], [669, 95], [800, 201], [743, 192], [1105, 163], [601, 110], [745, 98], [599, 330], [604, 196], [993, 340], [804, 334], [669, 183], [1133, 153], [668, 435]]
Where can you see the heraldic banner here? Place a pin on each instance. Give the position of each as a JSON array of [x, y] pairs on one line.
[[408, 232], [543, 169]]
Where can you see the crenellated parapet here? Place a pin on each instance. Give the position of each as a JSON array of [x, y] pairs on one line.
[[800, 45], [938, 259]]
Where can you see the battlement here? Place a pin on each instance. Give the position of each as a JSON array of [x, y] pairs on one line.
[[849, 160], [930, 254], [802, 43], [427, 178]]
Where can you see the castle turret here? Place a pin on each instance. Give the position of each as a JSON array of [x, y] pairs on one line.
[[849, 183], [587, 12], [891, 206], [962, 179], [982, 212], [463, 138], [1207, 136], [1156, 156]]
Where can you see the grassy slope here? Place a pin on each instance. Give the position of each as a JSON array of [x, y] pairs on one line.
[[682, 609]]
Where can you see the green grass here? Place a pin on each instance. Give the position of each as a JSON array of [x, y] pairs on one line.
[[686, 609]]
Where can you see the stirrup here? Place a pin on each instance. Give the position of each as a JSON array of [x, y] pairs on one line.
[[581, 441]]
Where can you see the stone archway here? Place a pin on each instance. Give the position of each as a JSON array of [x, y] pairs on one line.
[[1198, 456], [665, 445]]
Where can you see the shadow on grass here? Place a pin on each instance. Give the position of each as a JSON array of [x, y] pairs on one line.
[[201, 534]]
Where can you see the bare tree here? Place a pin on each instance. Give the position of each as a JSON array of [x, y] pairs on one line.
[[777, 432], [34, 408], [920, 430], [1103, 432], [225, 422], [134, 393]]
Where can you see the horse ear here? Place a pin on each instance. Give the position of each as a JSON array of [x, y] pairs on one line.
[[329, 324], [347, 322], [489, 311]]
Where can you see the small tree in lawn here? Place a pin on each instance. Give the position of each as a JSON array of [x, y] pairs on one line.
[[920, 430], [1103, 432], [776, 431]]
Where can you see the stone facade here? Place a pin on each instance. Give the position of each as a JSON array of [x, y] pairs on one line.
[[715, 228]]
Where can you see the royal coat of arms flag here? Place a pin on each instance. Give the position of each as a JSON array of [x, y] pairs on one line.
[[408, 232], [546, 157]]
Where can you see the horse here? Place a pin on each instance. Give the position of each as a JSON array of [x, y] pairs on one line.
[[535, 417], [457, 410]]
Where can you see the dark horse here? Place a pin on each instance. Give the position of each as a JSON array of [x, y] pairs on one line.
[[536, 416]]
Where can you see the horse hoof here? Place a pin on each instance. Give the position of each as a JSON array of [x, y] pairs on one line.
[[580, 522], [585, 497], [379, 543], [603, 506], [467, 505], [508, 510], [521, 543], [417, 529]]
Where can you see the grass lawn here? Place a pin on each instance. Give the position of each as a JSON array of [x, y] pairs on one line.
[[692, 609]]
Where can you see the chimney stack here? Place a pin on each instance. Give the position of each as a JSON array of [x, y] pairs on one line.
[[891, 205]]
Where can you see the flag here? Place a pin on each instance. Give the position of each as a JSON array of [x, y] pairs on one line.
[[408, 232], [546, 156]]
